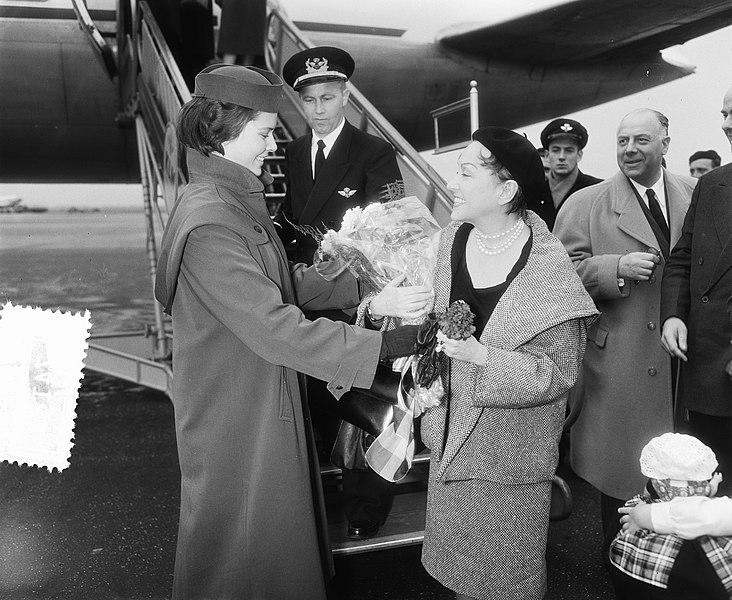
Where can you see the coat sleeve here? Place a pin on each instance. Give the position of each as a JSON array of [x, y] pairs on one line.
[[381, 169], [538, 372], [675, 285], [315, 293], [598, 272], [221, 272]]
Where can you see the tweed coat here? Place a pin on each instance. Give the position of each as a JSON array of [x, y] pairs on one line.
[[535, 339], [505, 421], [250, 487], [697, 288], [626, 374], [356, 172]]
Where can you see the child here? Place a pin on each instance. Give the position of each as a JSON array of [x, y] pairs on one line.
[[673, 544]]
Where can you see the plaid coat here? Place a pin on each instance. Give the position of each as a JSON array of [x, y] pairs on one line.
[[535, 339]]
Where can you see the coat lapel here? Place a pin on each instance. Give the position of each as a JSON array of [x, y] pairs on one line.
[[678, 204], [721, 211], [301, 171], [631, 219], [336, 166]]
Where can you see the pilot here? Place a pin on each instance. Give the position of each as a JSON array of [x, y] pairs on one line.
[[565, 140], [332, 168], [702, 162]]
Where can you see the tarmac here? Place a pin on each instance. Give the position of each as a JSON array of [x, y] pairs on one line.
[[105, 527]]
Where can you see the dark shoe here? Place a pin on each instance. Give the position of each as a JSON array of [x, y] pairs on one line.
[[362, 530]]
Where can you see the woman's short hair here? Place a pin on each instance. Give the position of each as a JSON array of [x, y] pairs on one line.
[[518, 202], [204, 124]]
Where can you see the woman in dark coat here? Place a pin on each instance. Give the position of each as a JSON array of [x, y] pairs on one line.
[[494, 438], [251, 523]]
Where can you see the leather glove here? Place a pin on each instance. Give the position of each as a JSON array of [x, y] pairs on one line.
[[398, 342]]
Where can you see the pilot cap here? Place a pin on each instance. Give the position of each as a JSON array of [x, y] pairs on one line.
[[248, 87], [518, 155], [318, 65], [678, 457], [564, 128]]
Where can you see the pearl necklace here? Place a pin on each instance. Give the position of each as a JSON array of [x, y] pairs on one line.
[[481, 239]]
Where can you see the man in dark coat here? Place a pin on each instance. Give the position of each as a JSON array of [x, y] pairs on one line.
[[564, 140], [358, 167], [696, 312], [331, 169]]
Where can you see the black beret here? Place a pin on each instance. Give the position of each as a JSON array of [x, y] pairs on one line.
[[564, 128], [710, 154], [248, 87], [318, 65], [519, 156]]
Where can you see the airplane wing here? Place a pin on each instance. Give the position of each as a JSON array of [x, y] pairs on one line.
[[589, 30]]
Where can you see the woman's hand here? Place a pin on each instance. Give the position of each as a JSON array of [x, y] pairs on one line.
[[636, 517], [410, 302], [470, 350]]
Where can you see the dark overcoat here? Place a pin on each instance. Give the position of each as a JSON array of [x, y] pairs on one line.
[[626, 374], [250, 488], [356, 173], [697, 288]]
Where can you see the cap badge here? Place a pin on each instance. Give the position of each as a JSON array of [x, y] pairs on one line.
[[315, 65], [566, 128], [347, 192]]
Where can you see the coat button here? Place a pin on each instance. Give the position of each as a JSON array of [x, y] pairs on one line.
[[651, 326], [705, 299], [652, 371], [258, 229], [701, 260], [652, 279]]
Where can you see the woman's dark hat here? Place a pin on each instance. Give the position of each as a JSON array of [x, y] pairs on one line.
[[519, 156], [318, 65], [248, 87]]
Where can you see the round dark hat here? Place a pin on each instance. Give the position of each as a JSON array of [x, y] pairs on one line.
[[564, 128], [248, 87], [518, 155], [318, 65], [710, 154]]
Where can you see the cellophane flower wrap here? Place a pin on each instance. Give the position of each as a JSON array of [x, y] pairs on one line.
[[377, 243], [381, 241]]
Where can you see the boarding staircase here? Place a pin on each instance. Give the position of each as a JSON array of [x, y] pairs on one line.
[[152, 90]]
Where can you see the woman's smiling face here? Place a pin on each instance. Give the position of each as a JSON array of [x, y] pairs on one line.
[[254, 143], [475, 187]]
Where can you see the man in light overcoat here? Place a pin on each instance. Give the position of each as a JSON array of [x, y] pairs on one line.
[[618, 234]]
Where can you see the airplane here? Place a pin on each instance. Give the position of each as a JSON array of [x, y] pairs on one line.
[[64, 108]]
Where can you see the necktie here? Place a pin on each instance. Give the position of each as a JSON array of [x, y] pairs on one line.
[[319, 159], [656, 213]]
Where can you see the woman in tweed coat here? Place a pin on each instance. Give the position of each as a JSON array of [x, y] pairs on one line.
[[494, 439]]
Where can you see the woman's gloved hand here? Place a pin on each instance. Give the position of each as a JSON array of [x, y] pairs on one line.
[[398, 342]]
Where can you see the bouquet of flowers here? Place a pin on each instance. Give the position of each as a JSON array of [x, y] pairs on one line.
[[381, 241]]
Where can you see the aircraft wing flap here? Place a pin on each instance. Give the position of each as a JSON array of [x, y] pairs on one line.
[[590, 29]]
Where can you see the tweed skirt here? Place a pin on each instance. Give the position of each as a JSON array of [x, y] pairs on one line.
[[486, 539]]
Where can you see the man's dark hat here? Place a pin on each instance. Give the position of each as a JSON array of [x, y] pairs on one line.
[[710, 154], [248, 87], [318, 65], [518, 155], [564, 128]]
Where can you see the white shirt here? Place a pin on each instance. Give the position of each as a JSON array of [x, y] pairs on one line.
[[694, 516], [660, 191], [329, 140]]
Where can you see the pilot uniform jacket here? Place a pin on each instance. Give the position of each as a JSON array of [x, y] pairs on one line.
[[626, 373], [697, 288], [583, 180], [505, 421], [357, 170], [252, 519]]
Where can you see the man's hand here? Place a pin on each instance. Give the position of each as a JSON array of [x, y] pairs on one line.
[[673, 338], [638, 266]]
